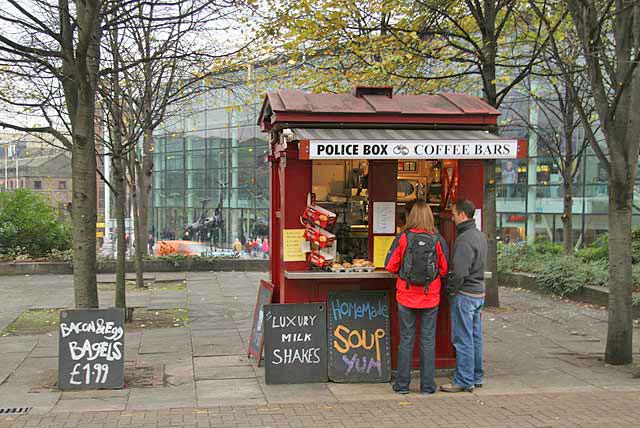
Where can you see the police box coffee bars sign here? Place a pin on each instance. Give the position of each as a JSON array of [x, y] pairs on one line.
[[394, 149]]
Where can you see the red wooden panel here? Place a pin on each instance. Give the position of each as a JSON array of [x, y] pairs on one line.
[[471, 181], [383, 176]]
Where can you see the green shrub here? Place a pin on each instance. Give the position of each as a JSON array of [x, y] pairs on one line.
[[547, 247], [599, 249], [596, 251], [635, 246], [29, 226], [524, 258], [555, 272], [177, 260], [567, 274]]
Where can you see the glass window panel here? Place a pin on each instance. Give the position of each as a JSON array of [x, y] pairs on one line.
[[174, 143], [512, 227], [195, 159], [194, 143], [218, 138], [174, 161], [216, 159], [547, 172], [175, 180], [158, 179], [159, 161], [217, 118], [247, 115], [195, 179]]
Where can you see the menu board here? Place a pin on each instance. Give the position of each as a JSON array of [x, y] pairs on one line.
[[359, 337], [265, 293], [295, 343], [91, 353], [384, 217], [292, 241], [381, 246]]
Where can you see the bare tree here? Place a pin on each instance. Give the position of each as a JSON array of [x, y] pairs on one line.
[[164, 65], [51, 54], [609, 37], [556, 99]]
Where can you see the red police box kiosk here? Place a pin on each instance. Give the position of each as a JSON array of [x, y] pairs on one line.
[[365, 157]]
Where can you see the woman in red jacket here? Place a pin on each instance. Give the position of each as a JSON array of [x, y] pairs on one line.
[[418, 255]]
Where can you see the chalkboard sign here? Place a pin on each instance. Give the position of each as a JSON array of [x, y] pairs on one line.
[[295, 343], [91, 349], [359, 340], [265, 293]]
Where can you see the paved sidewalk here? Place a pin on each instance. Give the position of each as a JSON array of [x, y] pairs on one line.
[[586, 410], [535, 346]]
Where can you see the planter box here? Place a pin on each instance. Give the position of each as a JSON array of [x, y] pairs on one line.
[[189, 265]]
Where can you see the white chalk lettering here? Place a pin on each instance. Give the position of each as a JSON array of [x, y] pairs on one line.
[[292, 356]]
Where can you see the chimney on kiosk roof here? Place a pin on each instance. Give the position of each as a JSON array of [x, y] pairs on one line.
[[359, 91]]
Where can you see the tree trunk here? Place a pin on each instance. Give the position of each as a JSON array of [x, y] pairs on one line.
[[140, 236], [144, 184], [620, 327], [567, 217], [84, 213], [120, 211], [80, 86], [492, 298]]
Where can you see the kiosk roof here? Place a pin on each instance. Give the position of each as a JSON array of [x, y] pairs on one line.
[[374, 107]]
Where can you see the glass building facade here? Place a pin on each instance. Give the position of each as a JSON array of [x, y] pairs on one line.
[[530, 191], [212, 155]]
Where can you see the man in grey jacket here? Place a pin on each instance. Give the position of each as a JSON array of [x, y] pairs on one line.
[[465, 287]]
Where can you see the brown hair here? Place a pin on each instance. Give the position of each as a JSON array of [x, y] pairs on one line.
[[421, 217]]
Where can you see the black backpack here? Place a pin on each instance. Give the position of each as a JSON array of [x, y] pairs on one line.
[[420, 261]]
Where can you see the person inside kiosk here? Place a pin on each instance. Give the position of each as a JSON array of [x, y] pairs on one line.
[[341, 187]]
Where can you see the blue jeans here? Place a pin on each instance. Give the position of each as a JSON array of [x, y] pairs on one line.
[[407, 319], [466, 335]]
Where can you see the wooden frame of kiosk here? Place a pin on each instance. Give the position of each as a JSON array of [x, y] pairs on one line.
[[364, 157]]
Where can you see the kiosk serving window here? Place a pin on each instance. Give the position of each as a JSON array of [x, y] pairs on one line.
[[418, 180], [341, 186]]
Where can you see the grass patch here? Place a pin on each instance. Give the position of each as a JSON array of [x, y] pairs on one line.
[[34, 321], [145, 318], [151, 286], [44, 321]]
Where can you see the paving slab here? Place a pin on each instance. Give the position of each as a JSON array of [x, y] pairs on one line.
[[9, 363], [90, 405], [362, 391], [34, 372], [201, 363], [235, 392], [19, 396], [165, 340], [162, 398], [215, 373], [20, 344], [99, 393], [303, 393]]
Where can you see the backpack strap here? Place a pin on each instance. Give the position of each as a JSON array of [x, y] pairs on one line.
[[406, 232]]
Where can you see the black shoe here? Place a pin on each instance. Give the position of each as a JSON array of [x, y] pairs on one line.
[[477, 385], [402, 391]]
